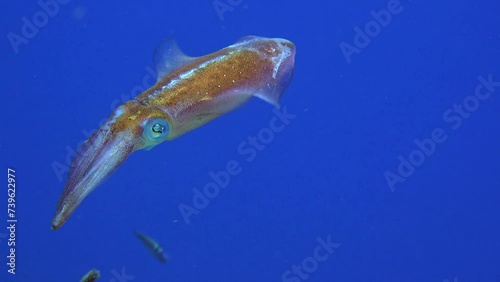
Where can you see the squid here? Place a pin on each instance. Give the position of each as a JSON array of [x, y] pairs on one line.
[[189, 92]]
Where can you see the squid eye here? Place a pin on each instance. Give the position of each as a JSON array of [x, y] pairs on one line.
[[155, 130]]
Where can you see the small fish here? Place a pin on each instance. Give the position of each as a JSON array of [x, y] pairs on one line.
[[152, 246], [91, 276]]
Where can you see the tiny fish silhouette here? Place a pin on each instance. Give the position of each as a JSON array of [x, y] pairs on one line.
[[152, 246], [91, 276]]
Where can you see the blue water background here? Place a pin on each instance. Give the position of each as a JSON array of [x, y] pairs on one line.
[[323, 176]]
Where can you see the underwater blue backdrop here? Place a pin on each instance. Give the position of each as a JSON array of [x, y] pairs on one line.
[[388, 171]]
